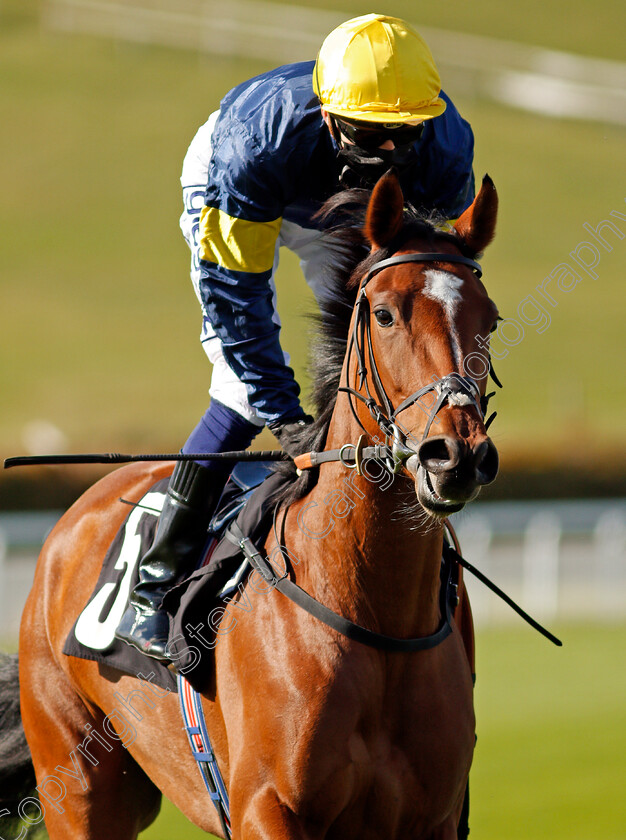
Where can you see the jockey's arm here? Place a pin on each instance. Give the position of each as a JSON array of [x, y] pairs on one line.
[[239, 228], [239, 304]]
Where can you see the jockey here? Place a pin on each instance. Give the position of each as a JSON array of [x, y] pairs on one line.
[[254, 176]]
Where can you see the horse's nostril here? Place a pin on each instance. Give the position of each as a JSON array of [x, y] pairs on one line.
[[439, 454], [487, 462], [442, 454]]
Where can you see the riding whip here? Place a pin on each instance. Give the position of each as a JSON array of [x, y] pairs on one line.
[[117, 458]]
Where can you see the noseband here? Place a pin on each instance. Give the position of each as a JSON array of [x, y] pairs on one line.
[[453, 388]]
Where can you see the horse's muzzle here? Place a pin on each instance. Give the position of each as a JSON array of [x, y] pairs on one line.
[[449, 472]]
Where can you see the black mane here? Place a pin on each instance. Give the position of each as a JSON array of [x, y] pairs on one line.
[[345, 214]]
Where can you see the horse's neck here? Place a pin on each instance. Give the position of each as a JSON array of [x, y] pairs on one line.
[[366, 555]]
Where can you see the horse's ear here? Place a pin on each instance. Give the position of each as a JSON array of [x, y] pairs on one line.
[[477, 225], [384, 211]]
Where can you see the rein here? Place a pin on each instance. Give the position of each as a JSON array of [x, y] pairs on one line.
[[448, 598], [448, 595], [452, 388]]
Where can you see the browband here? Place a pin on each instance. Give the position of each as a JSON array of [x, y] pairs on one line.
[[404, 258]]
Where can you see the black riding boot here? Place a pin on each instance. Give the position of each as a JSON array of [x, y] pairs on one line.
[[191, 497]]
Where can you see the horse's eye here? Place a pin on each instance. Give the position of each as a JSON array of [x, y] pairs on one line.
[[495, 324], [384, 318]]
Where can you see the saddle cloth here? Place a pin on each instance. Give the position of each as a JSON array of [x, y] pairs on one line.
[[222, 568]]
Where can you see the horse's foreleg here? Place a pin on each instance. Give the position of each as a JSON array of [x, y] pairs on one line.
[[446, 831], [451, 829], [266, 818], [89, 786]]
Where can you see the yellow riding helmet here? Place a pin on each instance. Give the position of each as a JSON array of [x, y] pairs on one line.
[[377, 69]]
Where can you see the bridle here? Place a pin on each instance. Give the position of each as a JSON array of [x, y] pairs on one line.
[[453, 388]]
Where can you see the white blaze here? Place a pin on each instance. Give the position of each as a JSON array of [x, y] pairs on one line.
[[444, 287]]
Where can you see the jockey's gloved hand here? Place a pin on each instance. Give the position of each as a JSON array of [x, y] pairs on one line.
[[289, 433]]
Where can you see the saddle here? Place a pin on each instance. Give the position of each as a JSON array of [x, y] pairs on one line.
[[246, 503]]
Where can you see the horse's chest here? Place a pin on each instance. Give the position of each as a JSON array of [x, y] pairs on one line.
[[391, 752]]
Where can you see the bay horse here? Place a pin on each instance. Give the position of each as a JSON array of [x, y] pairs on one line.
[[317, 735]]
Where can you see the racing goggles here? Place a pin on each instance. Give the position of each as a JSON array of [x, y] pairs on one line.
[[370, 136]]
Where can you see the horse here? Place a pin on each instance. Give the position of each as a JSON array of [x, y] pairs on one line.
[[318, 734]]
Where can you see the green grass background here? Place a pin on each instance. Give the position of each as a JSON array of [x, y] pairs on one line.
[[551, 723], [99, 334], [99, 328]]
